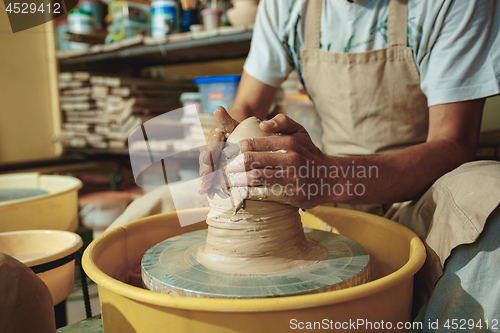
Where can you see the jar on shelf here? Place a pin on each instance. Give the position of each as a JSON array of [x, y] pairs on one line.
[[211, 18], [62, 28], [80, 22], [96, 9], [164, 18]]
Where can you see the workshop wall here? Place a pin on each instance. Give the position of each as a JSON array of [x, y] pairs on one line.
[[29, 110]]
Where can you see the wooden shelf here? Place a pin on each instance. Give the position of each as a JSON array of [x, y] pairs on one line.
[[129, 56], [149, 52], [125, 152], [96, 151]]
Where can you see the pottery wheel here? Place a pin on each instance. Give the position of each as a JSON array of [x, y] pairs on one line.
[[170, 267]]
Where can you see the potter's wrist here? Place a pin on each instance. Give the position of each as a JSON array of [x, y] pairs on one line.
[[239, 112], [333, 181]]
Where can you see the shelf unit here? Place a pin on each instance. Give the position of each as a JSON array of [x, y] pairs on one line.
[[129, 59], [143, 52]]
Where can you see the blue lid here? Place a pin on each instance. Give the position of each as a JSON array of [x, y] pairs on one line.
[[217, 79]]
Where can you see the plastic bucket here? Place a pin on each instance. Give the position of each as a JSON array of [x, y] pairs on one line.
[[58, 209], [98, 210], [50, 253]]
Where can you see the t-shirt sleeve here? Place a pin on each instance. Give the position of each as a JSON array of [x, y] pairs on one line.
[[268, 60], [460, 59]]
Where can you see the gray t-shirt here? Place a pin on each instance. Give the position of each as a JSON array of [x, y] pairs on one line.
[[455, 43]]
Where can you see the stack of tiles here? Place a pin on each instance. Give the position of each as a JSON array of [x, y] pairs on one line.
[[101, 111]]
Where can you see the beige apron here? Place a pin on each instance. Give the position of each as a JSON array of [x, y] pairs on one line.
[[360, 96], [371, 103], [368, 102]]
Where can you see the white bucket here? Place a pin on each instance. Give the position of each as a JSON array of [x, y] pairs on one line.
[[164, 18], [98, 210]]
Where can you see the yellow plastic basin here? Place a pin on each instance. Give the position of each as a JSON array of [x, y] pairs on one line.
[[39, 247], [113, 262], [57, 210]]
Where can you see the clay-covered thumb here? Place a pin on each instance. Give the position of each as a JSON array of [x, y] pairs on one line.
[[281, 124]]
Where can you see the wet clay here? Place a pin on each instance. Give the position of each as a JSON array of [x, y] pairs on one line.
[[249, 236]]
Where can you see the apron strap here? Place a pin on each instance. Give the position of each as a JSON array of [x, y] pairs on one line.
[[313, 23], [398, 23]]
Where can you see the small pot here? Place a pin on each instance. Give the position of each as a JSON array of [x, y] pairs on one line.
[[211, 18], [243, 12]]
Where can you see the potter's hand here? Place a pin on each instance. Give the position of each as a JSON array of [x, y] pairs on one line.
[[285, 167], [210, 153]]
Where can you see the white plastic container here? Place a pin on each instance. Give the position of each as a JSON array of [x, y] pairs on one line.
[[62, 29], [96, 10], [98, 210], [191, 103], [80, 22], [164, 18], [211, 18], [189, 98]]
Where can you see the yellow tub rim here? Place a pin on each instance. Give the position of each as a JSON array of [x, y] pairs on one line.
[[69, 183], [414, 263]]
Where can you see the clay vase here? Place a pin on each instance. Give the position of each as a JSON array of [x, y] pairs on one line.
[[243, 12]]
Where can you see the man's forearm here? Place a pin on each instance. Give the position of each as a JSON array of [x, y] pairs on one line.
[[254, 98], [407, 173], [240, 112], [394, 177]]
